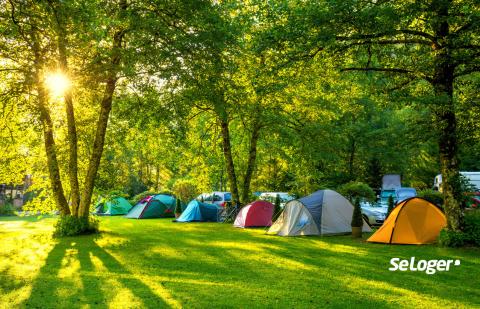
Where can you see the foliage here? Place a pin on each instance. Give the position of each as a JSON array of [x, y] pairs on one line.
[[391, 205], [357, 190], [451, 239], [178, 206], [134, 186], [268, 80], [73, 226], [432, 196], [469, 236], [472, 227], [357, 218], [6, 209], [185, 189], [137, 198], [277, 209]]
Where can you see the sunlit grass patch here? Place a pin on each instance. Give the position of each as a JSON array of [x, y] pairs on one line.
[[157, 263]]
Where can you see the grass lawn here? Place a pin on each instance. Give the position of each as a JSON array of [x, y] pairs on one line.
[[157, 263]]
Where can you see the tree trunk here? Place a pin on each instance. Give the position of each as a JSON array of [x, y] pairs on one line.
[[351, 157], [47, 124], [252, 157], [227, 153], [446, 122], [157, 178], [106, 106], [72, 129]]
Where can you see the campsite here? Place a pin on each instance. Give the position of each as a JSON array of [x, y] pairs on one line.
[[239, 154]]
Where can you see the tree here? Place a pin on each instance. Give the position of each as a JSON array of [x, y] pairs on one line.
[[433, 44], [391, 205], [51, 30]]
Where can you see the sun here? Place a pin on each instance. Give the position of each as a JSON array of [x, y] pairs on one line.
[[57, 83]]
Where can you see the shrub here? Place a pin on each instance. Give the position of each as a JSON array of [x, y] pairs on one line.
[[178, 206], [185, 189], [450, 238], [357, 219], [432, 196], [277, 209], [7, 209], [72, 226], [472, 227], [137, 198], [391, 205], [355, 190]]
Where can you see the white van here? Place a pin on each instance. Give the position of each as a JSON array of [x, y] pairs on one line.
[[473, 178]]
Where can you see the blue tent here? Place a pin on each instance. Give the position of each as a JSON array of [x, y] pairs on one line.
[[200, 212]]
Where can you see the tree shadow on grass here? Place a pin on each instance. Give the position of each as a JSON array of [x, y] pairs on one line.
[[78, 272], [346, 271]]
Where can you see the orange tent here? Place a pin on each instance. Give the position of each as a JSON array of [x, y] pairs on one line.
[[413, 221]]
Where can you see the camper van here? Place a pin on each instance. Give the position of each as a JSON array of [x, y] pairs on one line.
[[473, 178]]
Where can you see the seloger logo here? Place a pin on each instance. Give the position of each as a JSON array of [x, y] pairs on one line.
[[428, 266]]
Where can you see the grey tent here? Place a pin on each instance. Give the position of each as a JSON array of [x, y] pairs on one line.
[[322, 213]]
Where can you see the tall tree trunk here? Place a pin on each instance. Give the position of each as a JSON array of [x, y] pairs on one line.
[[252, 157], [446, 122], [157, 178], [227, 153], [47, 124], [72, 129], [105, 107], [351, 157]]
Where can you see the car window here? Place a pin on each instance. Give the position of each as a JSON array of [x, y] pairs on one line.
[[217, 198], [387, 193], [207, 198]]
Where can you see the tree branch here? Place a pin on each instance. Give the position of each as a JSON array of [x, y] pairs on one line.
[[389, 70], [470, 70], [429, 37]]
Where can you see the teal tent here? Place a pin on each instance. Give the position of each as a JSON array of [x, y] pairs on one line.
[[154, 206], [112, 207], [199, 212]]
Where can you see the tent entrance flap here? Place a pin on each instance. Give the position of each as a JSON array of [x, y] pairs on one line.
[[295, 220]]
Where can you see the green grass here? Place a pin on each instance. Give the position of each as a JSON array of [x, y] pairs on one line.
[[157, 263]]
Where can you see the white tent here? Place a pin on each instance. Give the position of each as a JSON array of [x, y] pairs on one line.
[[324, 212]]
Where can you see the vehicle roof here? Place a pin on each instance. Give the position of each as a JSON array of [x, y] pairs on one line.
[[406, 189], [268, 193]]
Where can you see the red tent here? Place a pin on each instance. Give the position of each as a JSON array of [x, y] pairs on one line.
[[258, 213]]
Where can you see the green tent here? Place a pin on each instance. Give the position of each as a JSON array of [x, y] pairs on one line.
[[154, 206], [112, 207]]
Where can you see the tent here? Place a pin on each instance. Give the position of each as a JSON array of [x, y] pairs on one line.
[[258, 213], [413, 221], [112, 207], [154, 206], [322, 213], [199, 212]]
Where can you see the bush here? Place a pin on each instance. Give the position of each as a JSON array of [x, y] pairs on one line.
[[7, 209], [357, 219], [432, 196], [472, 227], [73, 226], [450, 238], [185, 189], [391, 205], [355, 190], [277, 209], [137, 198], [178, 206], [469, 236]]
